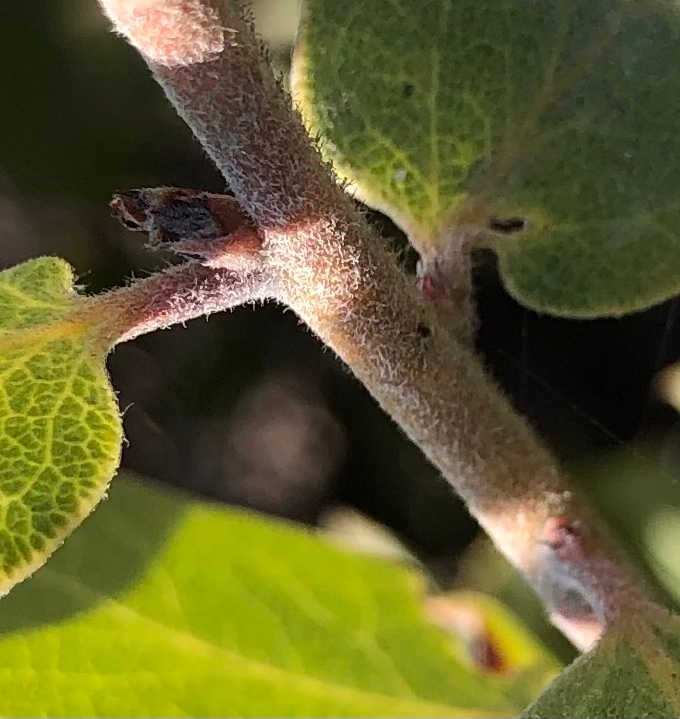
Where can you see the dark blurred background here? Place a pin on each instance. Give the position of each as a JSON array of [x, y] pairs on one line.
[[247, 408]]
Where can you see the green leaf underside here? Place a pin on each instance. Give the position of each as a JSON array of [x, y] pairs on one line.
[[60, 430], [169, 607], [633, 673], [563, 112]]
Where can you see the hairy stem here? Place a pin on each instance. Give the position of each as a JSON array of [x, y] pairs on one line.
[[176, 295], [336, 274], [445, 279]]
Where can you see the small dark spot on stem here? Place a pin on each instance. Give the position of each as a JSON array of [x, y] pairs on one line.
[[507, 225], [423, 330], [407, 90]]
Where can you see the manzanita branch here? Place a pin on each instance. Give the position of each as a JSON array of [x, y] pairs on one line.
[[329, 266]]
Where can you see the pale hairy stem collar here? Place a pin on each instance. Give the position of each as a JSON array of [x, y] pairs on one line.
[[322, 259]]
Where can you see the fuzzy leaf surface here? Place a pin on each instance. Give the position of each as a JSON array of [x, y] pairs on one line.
[[60, 428], [563, 115], [633, 672]]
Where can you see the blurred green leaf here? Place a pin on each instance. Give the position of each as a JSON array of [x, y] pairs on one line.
[[565, 115], [231, 616], [495, 641], [634, 671], [60, 428], [636, 489], [662, 542]]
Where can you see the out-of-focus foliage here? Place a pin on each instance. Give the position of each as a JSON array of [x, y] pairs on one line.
[[163, 606]]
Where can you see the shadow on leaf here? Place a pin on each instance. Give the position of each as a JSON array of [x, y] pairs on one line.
[[101, 560]]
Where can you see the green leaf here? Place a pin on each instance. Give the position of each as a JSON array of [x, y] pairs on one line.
[[495, 640], [163, 606], [455, 114], [60, 429], [633, 672]]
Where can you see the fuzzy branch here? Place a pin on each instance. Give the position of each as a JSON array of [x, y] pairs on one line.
[[174, 296], [335, 273]]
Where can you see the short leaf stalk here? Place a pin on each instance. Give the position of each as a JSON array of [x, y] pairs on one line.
[[177, 295], [320, 257]]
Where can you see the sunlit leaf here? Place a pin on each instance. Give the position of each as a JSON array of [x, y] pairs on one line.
[[553, 127], [60, 429], [164, 606]]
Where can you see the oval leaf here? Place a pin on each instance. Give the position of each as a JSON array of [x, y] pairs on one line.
[[184, 608], [60, 428], [551, 127]]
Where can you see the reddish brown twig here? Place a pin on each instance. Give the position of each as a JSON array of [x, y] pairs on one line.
[[329, 266]]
